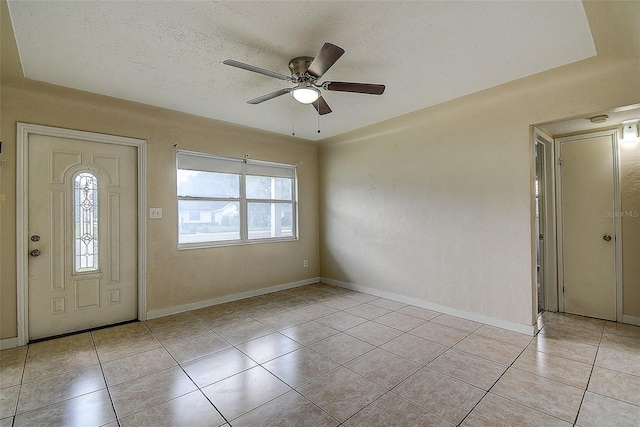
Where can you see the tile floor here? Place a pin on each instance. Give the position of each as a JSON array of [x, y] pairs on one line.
[[326, 356]]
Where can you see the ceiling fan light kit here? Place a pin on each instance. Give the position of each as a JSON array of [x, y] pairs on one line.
[[305, 73]]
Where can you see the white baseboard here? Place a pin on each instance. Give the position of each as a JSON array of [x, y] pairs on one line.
[[476, 317], [161, 312], [8, 343], [631, 320]]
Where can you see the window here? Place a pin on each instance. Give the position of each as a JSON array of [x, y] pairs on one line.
[[226, 201], [85, 202]]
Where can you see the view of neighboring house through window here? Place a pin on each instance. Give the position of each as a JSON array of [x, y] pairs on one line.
[[224, 201]]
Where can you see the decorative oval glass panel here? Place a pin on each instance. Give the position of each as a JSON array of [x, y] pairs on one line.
[[85, 201]]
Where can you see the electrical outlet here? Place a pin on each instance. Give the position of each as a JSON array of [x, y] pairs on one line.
[[305, 263], [155, 213]]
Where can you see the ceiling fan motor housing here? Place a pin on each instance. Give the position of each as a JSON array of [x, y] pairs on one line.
[[298, 67]]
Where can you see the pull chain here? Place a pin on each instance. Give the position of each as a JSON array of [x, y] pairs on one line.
[[318, 115], [293, 117]]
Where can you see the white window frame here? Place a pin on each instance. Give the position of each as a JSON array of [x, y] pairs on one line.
[[191, 160]]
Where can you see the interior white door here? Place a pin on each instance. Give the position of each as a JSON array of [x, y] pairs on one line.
[[588, 227], [83, 235]]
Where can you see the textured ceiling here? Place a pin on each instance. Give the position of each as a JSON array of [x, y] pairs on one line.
[[169, 53]]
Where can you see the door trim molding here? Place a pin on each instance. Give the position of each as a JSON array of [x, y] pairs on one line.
[[617, 222], [24, 130]]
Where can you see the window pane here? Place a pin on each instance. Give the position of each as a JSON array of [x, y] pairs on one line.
[[269, 220], [208, 221], [85, 201], [208, 184], [265, 187]]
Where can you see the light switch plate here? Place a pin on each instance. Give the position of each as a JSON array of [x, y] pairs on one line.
[[155, 213]]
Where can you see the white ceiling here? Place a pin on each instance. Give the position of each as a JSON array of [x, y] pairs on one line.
[[169, 53]]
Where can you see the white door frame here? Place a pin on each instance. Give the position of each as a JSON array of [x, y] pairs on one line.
[[548, 215], [24, 130], [617, 222]]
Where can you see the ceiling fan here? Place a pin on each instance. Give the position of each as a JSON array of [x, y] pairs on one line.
[[305, 73]]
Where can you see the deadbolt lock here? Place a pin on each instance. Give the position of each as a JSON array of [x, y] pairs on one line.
[[35, 238], [606, 237]]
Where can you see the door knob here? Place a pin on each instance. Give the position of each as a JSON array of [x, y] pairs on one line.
[[606, 237], [35, 252]]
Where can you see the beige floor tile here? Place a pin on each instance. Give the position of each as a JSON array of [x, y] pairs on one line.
[[226, 320], [211, 311], [268, 347], [457, 322], [309, 332], [13, 356], [341, 347], [180, 332], [341, 320], [241, 393], [598, 411], [191, 409], [314, 311], [441, 394], [341, 393], [136, 366], [146, 392], [120, 333], [92, 409], [171, 321], [383, 367], [579, 321], [545, 395], [290, 409], [217, 366], [367, 311], [247, 303], [393, 410], [8, 422], [360, 296], [11, 375], [616, 385], [514, 338], [387, 303], [439, 333], [244, 332], [554, 367], [8, 401], [630, 331], [300, 366], [400, 321], [196, 347], [57, 388], [415, 348], [58, 346], [41, 367], [374, 333], [283, 320], [572, 333], [584, 353], [123, 347], [474, 370], [489, 348], [421, 313], [497, 411], [265, 310], [341, 303], [617, 360], [620, 342]]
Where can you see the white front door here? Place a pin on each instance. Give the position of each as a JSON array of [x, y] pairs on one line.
[[82, 230], [588, 225]]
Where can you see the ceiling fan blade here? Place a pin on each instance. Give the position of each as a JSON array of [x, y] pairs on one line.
[[326, 57], [354, 87], [321, 106], [268, 96], [255, 69]]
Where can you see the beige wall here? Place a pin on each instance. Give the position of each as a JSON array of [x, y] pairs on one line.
[[437, 205], [630, 210], [173, 277]]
